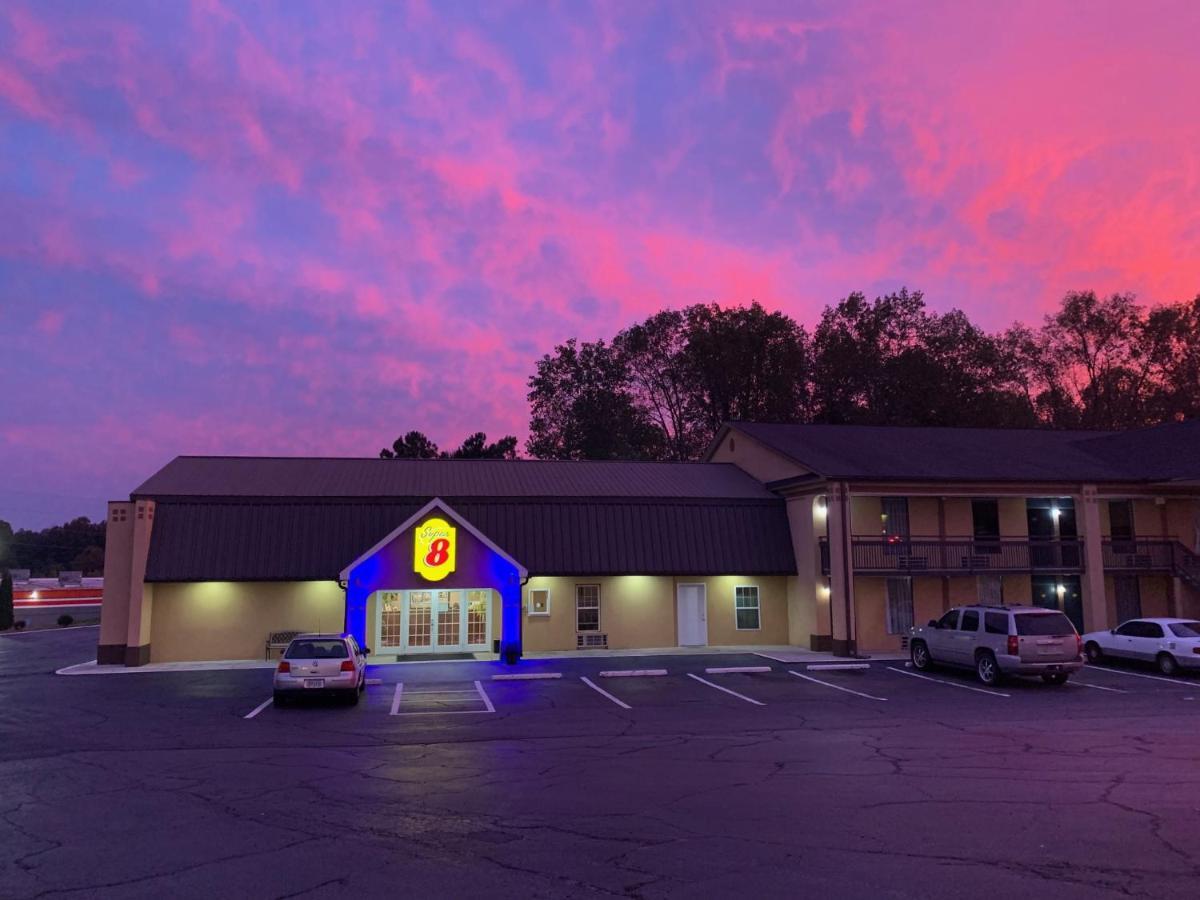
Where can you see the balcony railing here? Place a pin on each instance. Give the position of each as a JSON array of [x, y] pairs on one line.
[[959, 556], [1152, 556]]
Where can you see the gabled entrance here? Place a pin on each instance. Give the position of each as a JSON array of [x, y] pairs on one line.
[[435, 584]]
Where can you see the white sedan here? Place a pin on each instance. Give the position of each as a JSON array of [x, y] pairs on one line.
[[1171, 644]]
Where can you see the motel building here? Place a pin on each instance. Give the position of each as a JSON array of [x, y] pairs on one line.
[[831, 538]]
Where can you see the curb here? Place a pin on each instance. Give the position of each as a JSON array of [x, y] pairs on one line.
[[633, 673], [731, 670], [527, 676], [826, 667]]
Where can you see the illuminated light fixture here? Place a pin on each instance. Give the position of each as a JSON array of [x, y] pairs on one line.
[[1055, 511], [822, 509], [1062, 589], [825, 591]]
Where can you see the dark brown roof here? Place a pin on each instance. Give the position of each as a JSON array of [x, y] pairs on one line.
[[248, 476], [221, 540], [284, 518], [891, 453]]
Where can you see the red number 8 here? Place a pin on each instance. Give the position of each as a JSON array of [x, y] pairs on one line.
[[439, 552]]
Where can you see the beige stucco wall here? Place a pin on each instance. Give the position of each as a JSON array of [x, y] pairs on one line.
[[923, 516], [754, 458], [639, 611], [866, 516], [1014, 517], [231, 620]]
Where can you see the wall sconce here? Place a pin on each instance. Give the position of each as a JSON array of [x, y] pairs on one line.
[[821, 508]]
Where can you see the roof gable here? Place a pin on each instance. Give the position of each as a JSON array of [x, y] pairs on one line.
[[416, 517]]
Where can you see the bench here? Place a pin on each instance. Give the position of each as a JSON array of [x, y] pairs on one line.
[[278, 641]]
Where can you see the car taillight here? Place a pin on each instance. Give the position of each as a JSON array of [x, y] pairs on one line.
[[347, 665], [285, 666], [1014, 645], [1078, 644]]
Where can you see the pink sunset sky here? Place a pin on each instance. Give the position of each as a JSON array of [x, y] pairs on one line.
[[303, 228]]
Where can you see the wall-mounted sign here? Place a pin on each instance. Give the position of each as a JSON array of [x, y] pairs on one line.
[[434, 545]]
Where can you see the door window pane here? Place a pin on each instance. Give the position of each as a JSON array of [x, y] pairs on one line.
[[420, 619], [985, 516], [449, 618], [587, 607], [1120, 517], [745, 600], [477, 614], [899, 605], [970, 620], [390, 618]]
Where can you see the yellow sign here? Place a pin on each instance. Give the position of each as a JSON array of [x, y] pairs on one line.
[[433, 549]]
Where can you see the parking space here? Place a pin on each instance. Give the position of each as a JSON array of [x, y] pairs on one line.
[[464, 778], [585, 695]]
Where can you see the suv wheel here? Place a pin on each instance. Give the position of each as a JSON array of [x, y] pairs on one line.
[[1093, 651], [987, 669], [920, 656], [1166, 664]]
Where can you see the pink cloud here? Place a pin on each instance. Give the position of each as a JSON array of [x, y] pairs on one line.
[[50, 322]]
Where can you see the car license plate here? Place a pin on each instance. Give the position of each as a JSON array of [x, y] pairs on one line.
[[314, 682]]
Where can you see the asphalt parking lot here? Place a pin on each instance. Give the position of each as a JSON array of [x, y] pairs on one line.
[[445, 781]]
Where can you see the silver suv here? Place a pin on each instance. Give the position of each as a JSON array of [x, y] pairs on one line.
[[1000, 640]]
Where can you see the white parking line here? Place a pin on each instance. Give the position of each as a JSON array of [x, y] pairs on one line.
[[1077, 683], [254, 712], [1174, 681], [726, 690], [599, 690], [396, 697], [965, 687], [487, 701], [836, 687]]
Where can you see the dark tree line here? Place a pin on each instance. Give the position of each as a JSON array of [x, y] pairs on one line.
[[415, 445], [77, 545], [661, 388]]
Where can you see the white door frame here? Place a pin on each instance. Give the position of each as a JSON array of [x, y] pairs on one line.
[[403, 649], [702, 624]]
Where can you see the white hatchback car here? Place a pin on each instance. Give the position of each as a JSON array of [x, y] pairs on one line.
[[321, 664], [1171, 644]]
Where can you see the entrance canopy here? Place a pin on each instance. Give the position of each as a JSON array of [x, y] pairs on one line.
[[436, 547]]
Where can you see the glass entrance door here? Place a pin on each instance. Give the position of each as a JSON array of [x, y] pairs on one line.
[[433, 621]]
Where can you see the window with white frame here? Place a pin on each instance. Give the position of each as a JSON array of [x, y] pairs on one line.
[[899, 605], [746, 608], [539, 601], [587, 607]]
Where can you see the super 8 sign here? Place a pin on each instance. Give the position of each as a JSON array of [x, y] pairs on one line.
[[434, 544]]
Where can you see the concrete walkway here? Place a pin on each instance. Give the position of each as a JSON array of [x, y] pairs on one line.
[[782, 654]]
